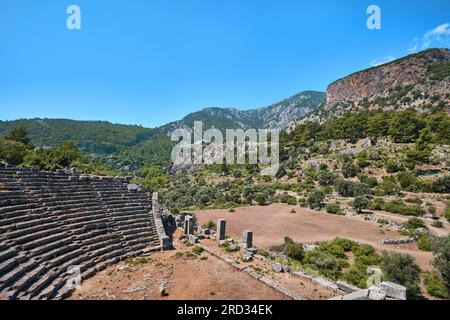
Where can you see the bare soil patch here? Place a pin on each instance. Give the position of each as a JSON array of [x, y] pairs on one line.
[[186, 276], [270, 224]]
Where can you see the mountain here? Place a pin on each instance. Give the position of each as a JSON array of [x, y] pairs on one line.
[[133, 146], [91, 136], [420, 81], [277, 116]]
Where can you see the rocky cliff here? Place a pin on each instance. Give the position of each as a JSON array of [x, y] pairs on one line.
[[420, 81]]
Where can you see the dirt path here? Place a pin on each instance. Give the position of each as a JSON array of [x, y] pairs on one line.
[[187, 277], [272, 223]]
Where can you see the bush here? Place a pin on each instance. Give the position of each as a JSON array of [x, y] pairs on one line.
[[441, 185], [261, 199], [424, 243], [302, 202], [326, 178], [415, 223], [291, 200], [441, 251], [315, 200], [399, 207], [392, 167], [402, 269], [211, 225], [356, 276], [360, 203], [365, 256], [406, 179], [345, 188], [325, 263], [435, 284], [447, 213], [349, 170], [198, 250], [437, 224], [333, 208], [389, 186], [293, 250], [377, 204], [13, 152]]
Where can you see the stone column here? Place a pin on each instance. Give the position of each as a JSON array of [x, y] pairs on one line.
[[188, 225], [155, 203], [221, 224], [247, 237]]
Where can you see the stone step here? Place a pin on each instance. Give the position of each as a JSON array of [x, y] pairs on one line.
[[58, 252], [34, 230], [43, 252], [43, 241], [15, 274], [37, 235], [19, 207], [7, 254]]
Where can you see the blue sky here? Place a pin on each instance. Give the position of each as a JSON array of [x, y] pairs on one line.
[[149, 62]]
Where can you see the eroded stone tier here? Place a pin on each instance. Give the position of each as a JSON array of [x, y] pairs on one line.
[[50, 221]]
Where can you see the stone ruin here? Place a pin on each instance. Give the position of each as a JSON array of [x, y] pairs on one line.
[[52, 222]]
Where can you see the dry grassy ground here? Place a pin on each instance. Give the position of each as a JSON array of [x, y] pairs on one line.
[[272, 223]]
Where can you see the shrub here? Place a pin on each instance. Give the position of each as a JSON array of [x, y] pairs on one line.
[[441, 185], [293, 250], [333, 208], [437, 224], [402, 269], [345, 188], [406, 179], [302, 202], [415, 223], [424, 243], [326, 178], [357, 276], [365, 255], [261, 199], [441, 251], [392, 167], [435, 284], [447, 213], [349, 170], [291, 200], [315, 200], [198, 250], [389, 186], [360, 203], [377, 204], [399, 207], [325, 263], [211, 225], [13, 152]]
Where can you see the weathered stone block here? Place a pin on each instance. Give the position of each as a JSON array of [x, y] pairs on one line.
[[393, 290], [221, 225], [247, 237]]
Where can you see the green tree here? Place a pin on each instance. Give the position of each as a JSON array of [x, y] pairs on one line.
[[315, 200], [261, 198], [405, 126], [18, 134], [435, 284], [360, 203], [440, 247], [402, 269], [13, 152]]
